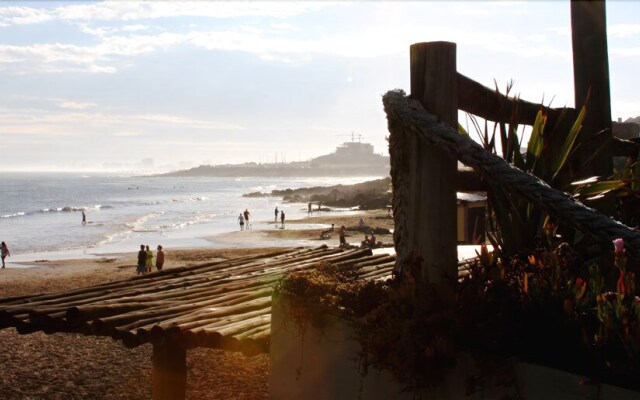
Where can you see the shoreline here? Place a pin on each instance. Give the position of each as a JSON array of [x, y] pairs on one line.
[[66, 365], [217, 240]]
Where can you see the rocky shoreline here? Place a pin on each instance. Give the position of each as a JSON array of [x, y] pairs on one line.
[[370, 195]]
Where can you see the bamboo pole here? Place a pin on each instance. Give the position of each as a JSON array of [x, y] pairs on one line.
[[169, 369]]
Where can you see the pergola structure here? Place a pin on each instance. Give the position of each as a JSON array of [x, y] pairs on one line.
[[224, 304]]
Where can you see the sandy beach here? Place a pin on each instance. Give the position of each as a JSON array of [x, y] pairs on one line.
[[73, 366]]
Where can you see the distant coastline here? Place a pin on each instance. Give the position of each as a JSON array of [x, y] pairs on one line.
[[349, 159]]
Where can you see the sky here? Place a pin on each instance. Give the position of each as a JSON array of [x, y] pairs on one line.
[[117, 85]]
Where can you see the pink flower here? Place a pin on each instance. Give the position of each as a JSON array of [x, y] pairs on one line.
[[618, 245]]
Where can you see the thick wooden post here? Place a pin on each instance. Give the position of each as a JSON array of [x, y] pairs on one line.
[[432, 202], [169, 370], [591, 76]]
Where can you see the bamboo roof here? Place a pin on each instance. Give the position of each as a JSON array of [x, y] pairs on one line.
[[224, 304]]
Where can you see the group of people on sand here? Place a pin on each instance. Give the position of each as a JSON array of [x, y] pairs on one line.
[[243, 219], [281, 217], [277, 212], [145, 259], [370, 242]]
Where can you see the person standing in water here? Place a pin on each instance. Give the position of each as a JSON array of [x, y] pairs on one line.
[[84, 218], [276, 218], [4, 252], [149, 260], [159, 258], [282, 219]]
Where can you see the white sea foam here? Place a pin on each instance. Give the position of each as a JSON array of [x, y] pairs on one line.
[[18, 214]]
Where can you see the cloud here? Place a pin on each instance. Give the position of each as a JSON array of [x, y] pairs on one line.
[[625, 51], [623, 30], [23, 16], [72, 105], [116, 46], [130, 11], [46, 122], [185, 122], [134, 28], [127, 134]]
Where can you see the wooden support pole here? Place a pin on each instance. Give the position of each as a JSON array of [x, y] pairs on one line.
[[591, 76], [432, 199], [169, 370]]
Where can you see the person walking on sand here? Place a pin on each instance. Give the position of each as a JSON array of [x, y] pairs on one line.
[[142, 261], [276, 218], [241, 221], [282, 219], [343, 241], [246, 217], [84, 218], [4, 252], [159, 258], [149, 260]]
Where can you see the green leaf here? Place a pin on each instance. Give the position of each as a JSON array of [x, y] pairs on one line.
[[534, 148], [568, 144], [600, 188], [462, 131], [587, 181]]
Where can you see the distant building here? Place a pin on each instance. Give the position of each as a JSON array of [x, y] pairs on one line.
[[626, 130]]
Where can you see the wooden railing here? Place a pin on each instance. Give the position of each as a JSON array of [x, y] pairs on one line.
[[425, 148]]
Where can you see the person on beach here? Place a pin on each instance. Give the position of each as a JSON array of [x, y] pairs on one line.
[[84, 218], [276, 218], [343, 241], [326, 234], [142, 261], [246, 217], [241, 221], [4, 252], [309, 210], [149, 260], [282, 219], [373, 241], [365, 242], [159, 258]]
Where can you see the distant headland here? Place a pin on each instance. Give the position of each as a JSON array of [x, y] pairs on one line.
[[349, 159]]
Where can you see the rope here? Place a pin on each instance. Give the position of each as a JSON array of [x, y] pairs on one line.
[[411, 116]]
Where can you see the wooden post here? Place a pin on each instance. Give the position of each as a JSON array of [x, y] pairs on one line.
[[591, 76], [169, 370], [432, 202]]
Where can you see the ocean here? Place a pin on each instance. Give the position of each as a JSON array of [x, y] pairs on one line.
[[41, 213]]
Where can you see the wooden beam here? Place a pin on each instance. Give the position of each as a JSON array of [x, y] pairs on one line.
[[432, 195], [169, 370], [479, 100], [591, 81]]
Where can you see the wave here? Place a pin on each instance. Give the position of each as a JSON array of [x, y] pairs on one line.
[[198, 219], [189, 199], [14, 215], [138, 224], [94, 207], [176, 200]]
